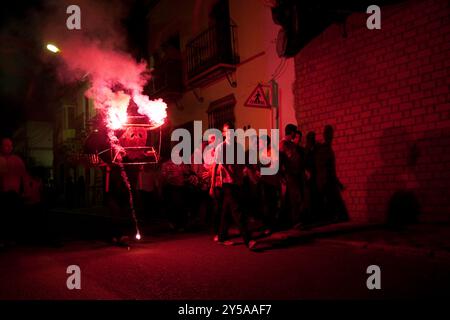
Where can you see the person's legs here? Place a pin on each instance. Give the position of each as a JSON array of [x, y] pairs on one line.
[[223, 226], [14, 214], [283, 219], [217, 209], [308, 203], [167, 204], [174, 205], [114, 209], [295, 200], [271, 194], [181, 206], [239, 216], [305, 216], [115, 232], [314, 204], [197, 207], [204, 207], [226, 205]]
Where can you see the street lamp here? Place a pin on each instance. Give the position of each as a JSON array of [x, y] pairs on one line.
[[52, 48]]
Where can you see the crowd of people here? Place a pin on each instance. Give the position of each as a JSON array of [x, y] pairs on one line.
[[215, 194], [218, 193]]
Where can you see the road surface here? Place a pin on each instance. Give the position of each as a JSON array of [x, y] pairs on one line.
[[192, 266]]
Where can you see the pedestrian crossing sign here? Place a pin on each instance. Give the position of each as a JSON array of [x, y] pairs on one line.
[[258, 98]]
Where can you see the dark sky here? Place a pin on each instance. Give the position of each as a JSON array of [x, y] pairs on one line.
[[29, 88]]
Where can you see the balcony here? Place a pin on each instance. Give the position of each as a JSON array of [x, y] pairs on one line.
[[166, 81], [211, 55]]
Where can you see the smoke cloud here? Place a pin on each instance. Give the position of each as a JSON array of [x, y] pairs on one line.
[[97, 52]]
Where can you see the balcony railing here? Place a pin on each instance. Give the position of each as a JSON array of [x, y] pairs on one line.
[[214, 46], [167, 80]]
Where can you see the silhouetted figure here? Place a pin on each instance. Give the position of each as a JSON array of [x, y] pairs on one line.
[[37, 225], [291, 166], [213, 203], [12, 179], [255, 189], [174, 193], [118, 202], [200, 203], [269, 188], [328, 184], [252, 205], [311, 196], [395, 193], [151, 191], [305, 217]]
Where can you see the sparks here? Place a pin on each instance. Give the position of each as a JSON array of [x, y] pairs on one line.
[[115, 79]]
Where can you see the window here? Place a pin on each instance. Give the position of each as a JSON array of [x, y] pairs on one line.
[[221, 111]]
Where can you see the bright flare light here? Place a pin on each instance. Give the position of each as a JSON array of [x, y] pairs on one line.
[[52, 48], [117, 111], [155, 110]]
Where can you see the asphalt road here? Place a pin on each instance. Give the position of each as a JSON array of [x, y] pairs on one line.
[[194, 267]]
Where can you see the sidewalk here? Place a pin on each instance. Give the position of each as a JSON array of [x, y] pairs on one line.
[[424, 239], [432, 240]]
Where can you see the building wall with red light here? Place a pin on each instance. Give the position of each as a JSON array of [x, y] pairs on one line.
[[386, 93], [256, 36]]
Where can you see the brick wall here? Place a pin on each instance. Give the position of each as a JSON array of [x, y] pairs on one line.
[[386, 92]]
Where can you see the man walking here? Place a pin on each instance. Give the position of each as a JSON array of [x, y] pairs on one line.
[[226, 184]]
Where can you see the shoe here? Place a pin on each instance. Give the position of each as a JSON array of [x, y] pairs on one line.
[[252, 244], [226, 243]]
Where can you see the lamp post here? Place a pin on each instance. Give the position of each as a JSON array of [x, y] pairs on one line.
[[52, 48]]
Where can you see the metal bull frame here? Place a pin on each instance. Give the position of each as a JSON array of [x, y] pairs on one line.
[[134, 150]]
